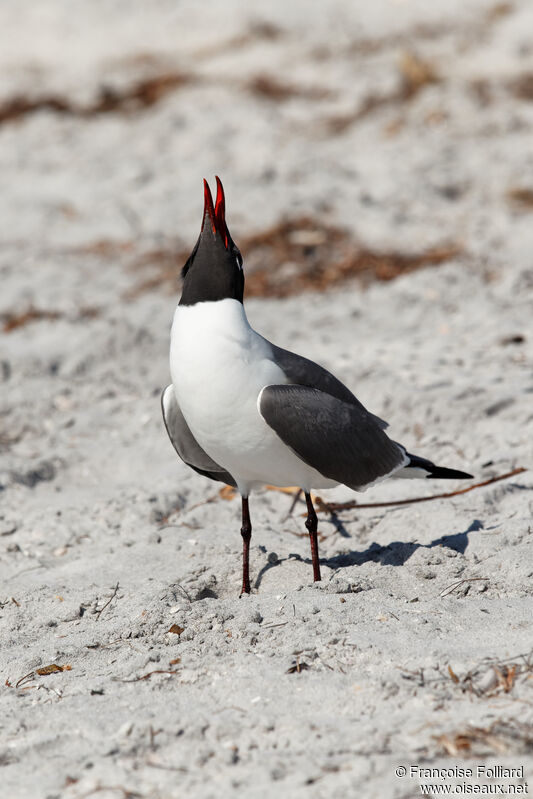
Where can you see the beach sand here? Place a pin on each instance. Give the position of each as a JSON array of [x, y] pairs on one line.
[[405, 125]]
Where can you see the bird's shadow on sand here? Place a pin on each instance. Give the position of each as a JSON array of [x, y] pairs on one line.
[[398, 552], [394, 554]]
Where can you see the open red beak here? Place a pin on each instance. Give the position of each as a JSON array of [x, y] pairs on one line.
[[217, 212]]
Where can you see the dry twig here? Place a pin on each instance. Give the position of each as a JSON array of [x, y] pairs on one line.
[[503, 736], [147, 676], [492, 677], [333, 507], [460, 582], [111, 598]]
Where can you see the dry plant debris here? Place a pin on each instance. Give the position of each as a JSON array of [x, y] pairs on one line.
[[105, 248], [458, 583], [110, 599], [143, 93], [258, 30], [501, 737], [147, 675], [479, 26], [12, 321], [295, 255], [140, 95], [414, 74], [334, 507], [521, 198], [522, 86], [267, 87], [52, 669], [227, 492], [125, 792], [44, 671], [165, 265], [298, 666], [492, 677], [499, 11], [303, 254]]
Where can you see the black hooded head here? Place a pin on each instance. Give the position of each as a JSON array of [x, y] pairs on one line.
[[214, 268]]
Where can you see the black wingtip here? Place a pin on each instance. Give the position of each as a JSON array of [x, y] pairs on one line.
[[442, 473], [436, 472]]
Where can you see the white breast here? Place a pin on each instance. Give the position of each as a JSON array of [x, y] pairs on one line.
[[219, 365]]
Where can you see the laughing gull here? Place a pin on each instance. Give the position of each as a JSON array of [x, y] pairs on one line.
[[247, 413]]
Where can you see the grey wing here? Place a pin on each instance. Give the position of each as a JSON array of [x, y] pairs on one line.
[[340, 440], [304, 372], [185, 443]]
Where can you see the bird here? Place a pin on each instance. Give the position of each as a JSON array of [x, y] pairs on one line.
[[245, 412]]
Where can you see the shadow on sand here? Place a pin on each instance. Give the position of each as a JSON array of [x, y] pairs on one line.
[[394, 554]]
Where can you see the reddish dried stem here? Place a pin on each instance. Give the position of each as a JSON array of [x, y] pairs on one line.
[[333, 507]]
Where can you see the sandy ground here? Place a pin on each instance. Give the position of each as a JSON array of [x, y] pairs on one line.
[[410, 126]]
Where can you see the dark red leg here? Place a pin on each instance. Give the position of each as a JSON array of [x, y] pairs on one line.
[[312, 523], [246, 532]]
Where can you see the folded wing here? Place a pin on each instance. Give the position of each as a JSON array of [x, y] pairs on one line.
[[304, 372], [185, 443], [341, 440]]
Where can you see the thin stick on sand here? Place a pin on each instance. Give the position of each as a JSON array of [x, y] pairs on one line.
[[333, 507]]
